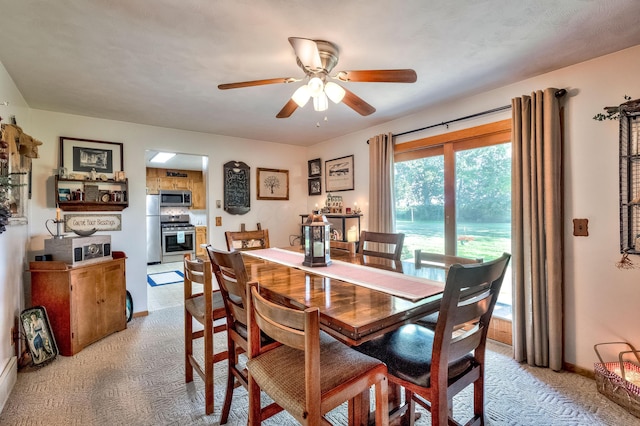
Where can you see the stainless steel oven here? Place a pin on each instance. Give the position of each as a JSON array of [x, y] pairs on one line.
[[178, 237]]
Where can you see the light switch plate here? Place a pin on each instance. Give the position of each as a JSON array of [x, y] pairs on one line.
[[218, 221]]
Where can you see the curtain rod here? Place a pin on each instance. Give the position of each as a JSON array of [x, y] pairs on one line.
[[559, 93]]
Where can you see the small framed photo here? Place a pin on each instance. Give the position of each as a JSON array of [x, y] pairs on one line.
[[64, 194], [338, 174], [119, 176], [315, 168], [272, 184], [315, 186]]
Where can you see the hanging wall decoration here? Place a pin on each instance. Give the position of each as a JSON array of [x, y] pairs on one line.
[[237, 198]]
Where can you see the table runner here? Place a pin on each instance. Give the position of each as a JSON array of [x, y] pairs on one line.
[[394, 283]]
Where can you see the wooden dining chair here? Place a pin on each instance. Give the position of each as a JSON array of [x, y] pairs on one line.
[[423, 258], [205, 305], [232, 278], [429, 258], [247, 240], [311, 372], [381, 244], [343, 247], [433, 366]]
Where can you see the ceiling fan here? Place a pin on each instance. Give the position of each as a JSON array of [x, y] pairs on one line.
[[317, 58]]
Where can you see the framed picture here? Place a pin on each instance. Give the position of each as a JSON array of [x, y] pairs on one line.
[[315, 168], [40, 341], [338, 174], [81, 156], [64, 194], [315, 186], [272, 184]]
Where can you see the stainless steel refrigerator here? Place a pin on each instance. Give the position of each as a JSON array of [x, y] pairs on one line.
[[154, 241]]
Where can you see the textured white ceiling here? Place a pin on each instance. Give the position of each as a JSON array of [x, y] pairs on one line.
[[159, 62]]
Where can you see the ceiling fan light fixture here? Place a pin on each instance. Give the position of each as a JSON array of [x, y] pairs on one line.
[[320, 102], [315, 86], [334, 91], [301, 96]]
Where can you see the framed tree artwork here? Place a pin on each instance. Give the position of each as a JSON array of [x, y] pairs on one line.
[[272, 184]]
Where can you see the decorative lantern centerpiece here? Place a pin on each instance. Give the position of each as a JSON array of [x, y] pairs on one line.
[[316, 234]]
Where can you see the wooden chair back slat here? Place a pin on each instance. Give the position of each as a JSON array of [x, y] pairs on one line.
[[381, 244], [247, 240]]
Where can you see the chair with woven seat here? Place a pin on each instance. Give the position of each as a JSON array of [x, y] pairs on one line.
[[310, 373], [433, 366], [247, 240], [205, 306], [232, 278], [381, 244]]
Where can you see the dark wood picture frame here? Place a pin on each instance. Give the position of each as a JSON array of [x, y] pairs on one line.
[[315, 167], [338, 174], [272, 184], [80, 156], [315, 186]]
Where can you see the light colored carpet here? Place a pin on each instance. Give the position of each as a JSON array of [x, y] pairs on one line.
[[136, 377]]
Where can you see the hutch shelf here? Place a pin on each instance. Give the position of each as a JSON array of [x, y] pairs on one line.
[[82, 195]]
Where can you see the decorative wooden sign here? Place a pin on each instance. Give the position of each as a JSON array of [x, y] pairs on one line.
[[98, 222]]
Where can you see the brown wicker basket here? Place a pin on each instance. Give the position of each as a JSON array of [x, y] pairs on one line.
[[620, 380]]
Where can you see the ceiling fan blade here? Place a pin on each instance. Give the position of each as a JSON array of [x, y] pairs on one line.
[[257, 83], [307, 52], [357, 104], [288, 109], [379, 76]]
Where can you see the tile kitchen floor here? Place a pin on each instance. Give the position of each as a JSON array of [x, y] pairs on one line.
[[164, 296]]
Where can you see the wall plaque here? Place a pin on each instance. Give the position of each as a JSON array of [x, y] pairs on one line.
[[86, 222], [237, 198]]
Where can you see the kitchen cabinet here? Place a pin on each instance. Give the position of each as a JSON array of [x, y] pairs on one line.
[[84, 303], [191, 180], [201, 238], [198, 196], [81, 195], [630, 177]]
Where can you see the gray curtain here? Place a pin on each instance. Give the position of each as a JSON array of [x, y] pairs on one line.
[[381, 196], [537, 234]]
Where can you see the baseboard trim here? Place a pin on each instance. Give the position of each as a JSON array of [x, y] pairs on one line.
[[140, 314], [8, 379], [572, 368]]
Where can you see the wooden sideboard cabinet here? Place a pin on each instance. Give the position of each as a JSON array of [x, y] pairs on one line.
[[84, 303]]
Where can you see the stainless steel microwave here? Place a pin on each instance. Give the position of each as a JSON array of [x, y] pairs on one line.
[[175, 198]]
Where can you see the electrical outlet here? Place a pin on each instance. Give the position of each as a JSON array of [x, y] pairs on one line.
[[218, 221]]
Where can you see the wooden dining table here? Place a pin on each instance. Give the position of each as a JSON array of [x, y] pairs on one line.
[[349, 312]]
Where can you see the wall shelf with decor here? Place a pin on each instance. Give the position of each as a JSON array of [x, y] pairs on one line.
[[630, 177], [81, 195]]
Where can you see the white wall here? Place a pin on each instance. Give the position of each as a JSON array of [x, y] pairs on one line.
[[12, 245], [601, 301], [280, 217]]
